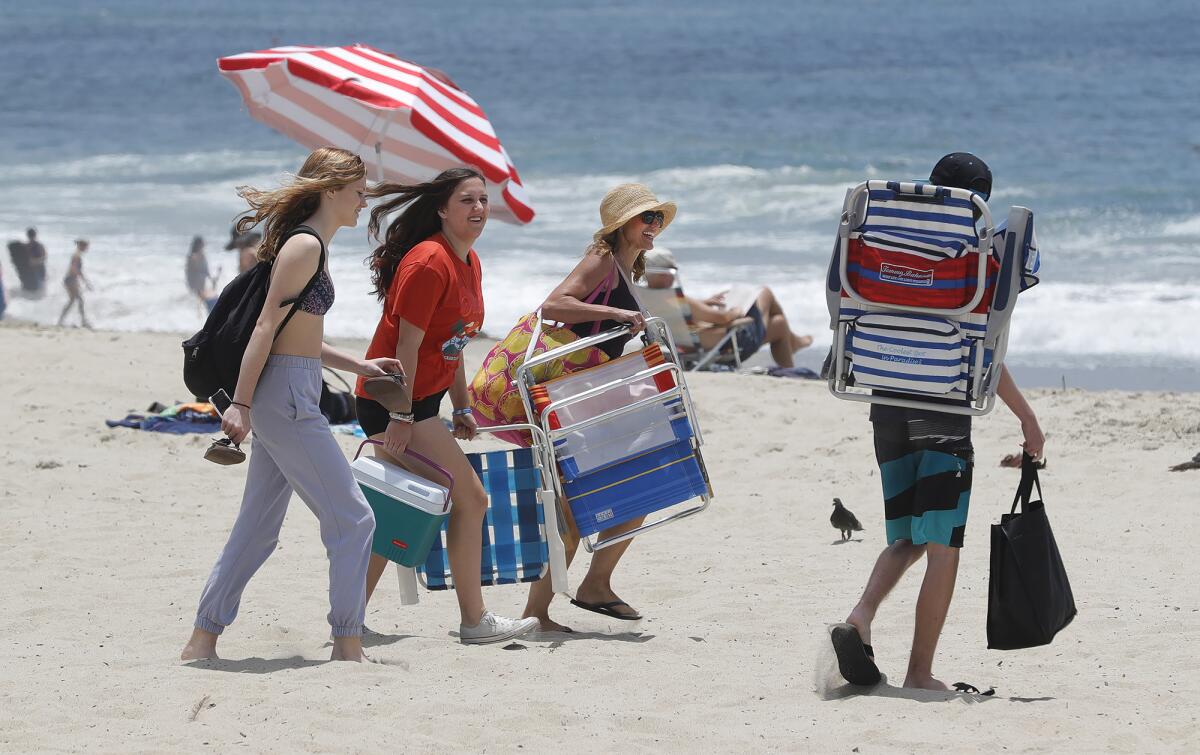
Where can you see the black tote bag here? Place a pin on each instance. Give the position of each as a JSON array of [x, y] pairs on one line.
[[1029, 596]]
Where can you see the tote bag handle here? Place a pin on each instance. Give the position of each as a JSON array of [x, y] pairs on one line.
[[1029, 479]]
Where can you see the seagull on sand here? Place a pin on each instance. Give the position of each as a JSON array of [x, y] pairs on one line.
[[1193, 464], [844, 520]]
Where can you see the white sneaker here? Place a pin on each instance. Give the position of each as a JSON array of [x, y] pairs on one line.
[[493, 628]]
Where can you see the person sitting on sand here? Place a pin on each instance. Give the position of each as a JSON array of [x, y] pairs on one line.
[[71, 282], [926, 505], [768, 322]]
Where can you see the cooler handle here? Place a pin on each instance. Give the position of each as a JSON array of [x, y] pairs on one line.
[[408, 452]]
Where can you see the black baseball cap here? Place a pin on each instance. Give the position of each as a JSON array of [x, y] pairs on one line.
[[963, 170]]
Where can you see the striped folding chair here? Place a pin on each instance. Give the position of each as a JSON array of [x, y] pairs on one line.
[[624, 438], [521, 538], [920, 296]]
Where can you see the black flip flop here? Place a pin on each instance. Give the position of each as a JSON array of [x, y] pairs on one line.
[[606, 609], [856, 660], [971, 689]]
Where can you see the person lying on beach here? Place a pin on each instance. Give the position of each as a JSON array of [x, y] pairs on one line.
[[925, 505], [428, 278], [768, 322], [278, 393]]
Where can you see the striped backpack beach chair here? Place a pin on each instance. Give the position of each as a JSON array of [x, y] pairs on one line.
[[624, 438], [521, 537], [921, 288]]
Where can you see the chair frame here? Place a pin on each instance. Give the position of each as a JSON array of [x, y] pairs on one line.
[[700, 358], [656, 332]]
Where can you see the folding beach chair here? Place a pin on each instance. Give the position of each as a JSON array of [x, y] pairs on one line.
[[623, 436], [671, 306], [920, 295], [522, 540]]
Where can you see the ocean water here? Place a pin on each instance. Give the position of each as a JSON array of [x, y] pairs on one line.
[[755, 120]]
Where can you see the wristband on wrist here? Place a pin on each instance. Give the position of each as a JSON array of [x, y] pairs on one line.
[[405, 417], [461, 412], [239, 403]]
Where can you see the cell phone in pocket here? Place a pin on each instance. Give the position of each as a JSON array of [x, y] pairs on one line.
[[221, 402]]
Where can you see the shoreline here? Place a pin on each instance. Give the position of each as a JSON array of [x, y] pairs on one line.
[[1154, 378]]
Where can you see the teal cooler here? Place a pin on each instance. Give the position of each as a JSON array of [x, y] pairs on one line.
[[409, 510]]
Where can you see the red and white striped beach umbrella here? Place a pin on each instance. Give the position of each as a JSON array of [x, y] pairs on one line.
[[408, 123]]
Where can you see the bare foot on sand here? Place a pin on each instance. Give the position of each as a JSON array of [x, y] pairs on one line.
[[546, 624], [201, 646], [925, 682], [348, 649]]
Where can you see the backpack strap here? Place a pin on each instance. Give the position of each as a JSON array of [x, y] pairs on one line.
[[295, 300]]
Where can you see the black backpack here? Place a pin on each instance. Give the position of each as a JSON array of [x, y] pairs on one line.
[[213, 357]]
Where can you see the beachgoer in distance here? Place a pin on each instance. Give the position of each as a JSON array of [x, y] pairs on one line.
[[926, 505], [768, 323], [278, 390], [3, 295], [199, 281], [246, 245], [71, 282], [631, 218], [428, 278], [36, 254]]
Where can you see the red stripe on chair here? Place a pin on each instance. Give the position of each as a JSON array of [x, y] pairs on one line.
[[889, 277]]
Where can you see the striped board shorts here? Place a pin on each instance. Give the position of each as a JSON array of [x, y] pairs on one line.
[[925, 468]]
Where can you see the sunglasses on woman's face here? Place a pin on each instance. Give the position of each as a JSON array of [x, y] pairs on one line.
[[650, 217]]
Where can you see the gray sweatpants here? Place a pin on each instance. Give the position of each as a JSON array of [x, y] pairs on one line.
[[294, 450]]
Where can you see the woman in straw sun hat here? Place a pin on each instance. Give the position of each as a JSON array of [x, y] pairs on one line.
[[631, 218]]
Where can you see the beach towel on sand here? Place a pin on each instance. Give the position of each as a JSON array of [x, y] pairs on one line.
[[177, 420]]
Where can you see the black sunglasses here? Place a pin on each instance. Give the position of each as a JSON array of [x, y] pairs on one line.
[[649, 217]]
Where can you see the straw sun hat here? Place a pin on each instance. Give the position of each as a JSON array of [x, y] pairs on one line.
[[625, 202]]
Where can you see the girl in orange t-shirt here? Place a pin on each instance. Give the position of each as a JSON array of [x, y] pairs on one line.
[[428, 278]]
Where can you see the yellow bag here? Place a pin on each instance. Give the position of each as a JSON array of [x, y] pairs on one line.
[[495, 399]]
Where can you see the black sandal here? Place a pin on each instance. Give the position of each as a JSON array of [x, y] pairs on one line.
[[606, 609], [856, 659]]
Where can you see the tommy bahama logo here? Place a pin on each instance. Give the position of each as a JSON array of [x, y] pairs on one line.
[[905, 276]]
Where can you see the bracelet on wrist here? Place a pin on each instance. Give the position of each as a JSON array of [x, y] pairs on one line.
[[405, 417], [239, 403], [461, 412]]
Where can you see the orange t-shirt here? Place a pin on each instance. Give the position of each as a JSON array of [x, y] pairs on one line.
[[439, 293]]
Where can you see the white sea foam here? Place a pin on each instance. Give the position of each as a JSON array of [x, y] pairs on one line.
[[1117, 283]]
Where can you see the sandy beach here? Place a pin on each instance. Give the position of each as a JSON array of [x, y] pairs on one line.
[[109, 535]]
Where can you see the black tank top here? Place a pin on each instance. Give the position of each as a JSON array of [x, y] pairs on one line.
[[620, 298]]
